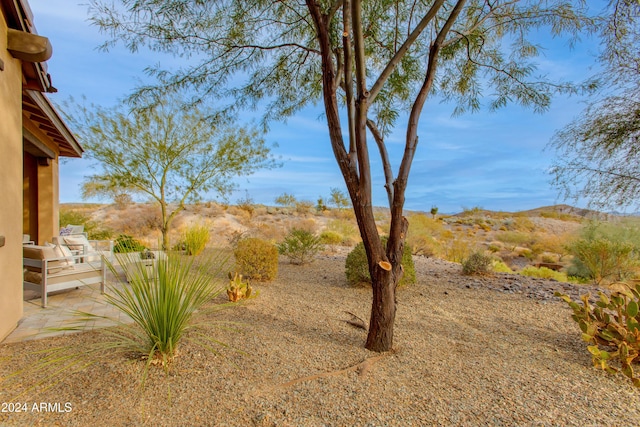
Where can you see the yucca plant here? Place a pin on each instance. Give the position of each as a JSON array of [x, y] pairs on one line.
[[161, 297], [161, 300]]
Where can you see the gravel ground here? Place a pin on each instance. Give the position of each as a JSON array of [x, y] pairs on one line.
[[497, 351]]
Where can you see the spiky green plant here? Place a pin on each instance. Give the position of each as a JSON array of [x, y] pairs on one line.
[[161, 298], [195, 239]]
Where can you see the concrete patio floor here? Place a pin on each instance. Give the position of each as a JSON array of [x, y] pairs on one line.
[[38, 322]]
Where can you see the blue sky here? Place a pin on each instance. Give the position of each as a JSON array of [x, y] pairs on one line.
[[493, 160]]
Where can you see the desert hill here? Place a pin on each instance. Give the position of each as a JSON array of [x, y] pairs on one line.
[[518, 238]]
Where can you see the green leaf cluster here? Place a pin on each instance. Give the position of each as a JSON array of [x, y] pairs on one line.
[[612, 328], [300, 246]]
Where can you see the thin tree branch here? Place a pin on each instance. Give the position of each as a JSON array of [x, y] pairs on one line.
[[384, 156], [393, 63]]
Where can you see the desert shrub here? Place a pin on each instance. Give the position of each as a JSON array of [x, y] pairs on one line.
[[423, 235], [467, 212], [494, 248], [611, 328], [426, 246], [513, 239], [499, 266], [304, 206], [457, 250], [339, 199], [195, 239], [122, 201], [605, 252], [256, 259], [522, 223], [526, 253], [321, 206], [125, 243], [347, 229], [560, 216], [269, 232], [329, 237], [602, 260], [300, 246], [357, 267], [477, 263], [555, 243], [543, 273], [246, 204]]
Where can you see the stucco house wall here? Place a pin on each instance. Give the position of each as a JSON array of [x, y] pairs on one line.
[[32, 139], [11, 194]]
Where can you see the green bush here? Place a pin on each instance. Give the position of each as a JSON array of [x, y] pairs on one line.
[[329, 237], [543, 273], [300, 246], [125, 243], [347, 229], [256, 259], [357, 267], [612, 328], [195, 239], [457, 250], [498, 266], [513, 239], [603, 260], [477, 263]]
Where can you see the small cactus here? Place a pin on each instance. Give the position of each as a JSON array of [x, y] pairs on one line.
[[612, 328], [237, 288]]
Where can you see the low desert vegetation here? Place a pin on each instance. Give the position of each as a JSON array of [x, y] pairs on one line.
[[256, 259], [300, 246], [195, 239], [606, 252], [125, 243], [611, 327], [477, 263]]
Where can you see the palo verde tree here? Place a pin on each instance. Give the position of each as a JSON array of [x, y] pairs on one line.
[[373, 64], [168, 152], [599, 152]]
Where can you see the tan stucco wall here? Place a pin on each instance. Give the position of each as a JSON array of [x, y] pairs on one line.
[[11, 188], [48, 201], [47, 190]]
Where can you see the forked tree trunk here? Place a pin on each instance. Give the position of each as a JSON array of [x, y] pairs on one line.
[[385, 263]]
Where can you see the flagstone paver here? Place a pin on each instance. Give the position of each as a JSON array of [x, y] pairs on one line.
[[61, 312]]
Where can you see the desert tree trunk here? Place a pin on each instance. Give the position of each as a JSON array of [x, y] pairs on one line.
[[385, 263]]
